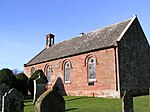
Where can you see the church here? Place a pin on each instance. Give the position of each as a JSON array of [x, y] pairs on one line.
[[101, 63]]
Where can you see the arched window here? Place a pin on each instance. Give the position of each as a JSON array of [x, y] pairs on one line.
[[49, 73], [67, 72], [91, 69], [32, 70]]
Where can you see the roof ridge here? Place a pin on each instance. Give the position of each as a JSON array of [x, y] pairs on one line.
[[93, 31], [108, 26]]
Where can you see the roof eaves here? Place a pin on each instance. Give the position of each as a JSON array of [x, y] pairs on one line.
[[33, 58], [103, 48]]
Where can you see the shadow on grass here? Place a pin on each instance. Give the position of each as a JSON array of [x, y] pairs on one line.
[[71, 109], [27, 97]]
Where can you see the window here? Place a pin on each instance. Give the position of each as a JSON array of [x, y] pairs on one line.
[[67, 72], [91, 69], [32, 70], [48, 74]]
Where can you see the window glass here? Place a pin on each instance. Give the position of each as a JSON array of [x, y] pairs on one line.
[[48, 74], [67, 72], [91, 69]]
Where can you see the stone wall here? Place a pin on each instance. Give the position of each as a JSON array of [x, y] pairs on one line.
[[105, 84], [134, 62]]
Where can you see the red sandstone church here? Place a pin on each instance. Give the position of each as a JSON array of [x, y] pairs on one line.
[[102, 63]]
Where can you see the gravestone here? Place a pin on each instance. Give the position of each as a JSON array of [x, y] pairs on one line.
[[127, 101], [3, 89], [39, 101], [39, 88], [59, 83], [50, 101], [13, 101]]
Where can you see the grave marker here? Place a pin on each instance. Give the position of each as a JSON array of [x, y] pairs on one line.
[[13, 101], [50, 101], [3, 89], [127, 101], [39, 87]]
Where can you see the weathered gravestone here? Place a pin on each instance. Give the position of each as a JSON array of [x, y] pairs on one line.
[[127, 101], [3, 89], [50, 101], [39, 88], [13, 101]]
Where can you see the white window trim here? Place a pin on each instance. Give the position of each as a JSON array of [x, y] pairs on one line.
[[91, 80], [49, 82], [67, 82]]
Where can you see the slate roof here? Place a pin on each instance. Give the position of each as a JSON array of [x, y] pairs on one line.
[[98, 39]]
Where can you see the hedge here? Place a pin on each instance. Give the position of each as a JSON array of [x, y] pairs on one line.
[[21, 83], [7, 76]]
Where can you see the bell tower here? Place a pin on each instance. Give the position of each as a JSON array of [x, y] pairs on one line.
[[49, 40]]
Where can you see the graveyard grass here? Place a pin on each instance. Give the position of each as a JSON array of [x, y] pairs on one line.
[[89, 104]]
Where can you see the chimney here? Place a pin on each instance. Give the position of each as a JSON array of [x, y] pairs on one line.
[[49, 40], [81, 34]]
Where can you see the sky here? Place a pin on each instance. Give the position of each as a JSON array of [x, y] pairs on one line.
[[24, 23]]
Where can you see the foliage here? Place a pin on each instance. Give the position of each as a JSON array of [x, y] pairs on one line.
[[22, 76], [34, 76], [89, 104], [38, 73], [21, 83], [6, 76]]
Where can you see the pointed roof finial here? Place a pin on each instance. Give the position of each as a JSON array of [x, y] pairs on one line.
[[135, 15]]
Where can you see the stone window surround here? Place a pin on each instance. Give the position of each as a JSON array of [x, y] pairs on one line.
[[67, 66], [33, 69], [71, 67], [86, 65]]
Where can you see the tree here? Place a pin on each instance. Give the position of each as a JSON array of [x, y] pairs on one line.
[[22, 76], [21, 83], [6, 76]]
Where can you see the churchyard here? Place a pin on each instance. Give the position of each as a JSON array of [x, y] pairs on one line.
[[42, 100], [90, 104]]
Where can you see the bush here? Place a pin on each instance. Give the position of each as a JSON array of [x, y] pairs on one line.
[[21, 83], [6, 76], [22, 76], [34, 76]]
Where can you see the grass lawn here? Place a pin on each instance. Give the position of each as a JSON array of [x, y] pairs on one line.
[[88, 104]]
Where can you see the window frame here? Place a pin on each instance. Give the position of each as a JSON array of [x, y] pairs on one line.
[[49, 76], [66, 72], [33, 69], [92, 65]]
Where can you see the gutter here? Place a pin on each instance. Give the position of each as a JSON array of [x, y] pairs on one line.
[[117, 68], [103, 48]]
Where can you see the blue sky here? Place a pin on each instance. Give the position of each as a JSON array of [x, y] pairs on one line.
[[24, 23]]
